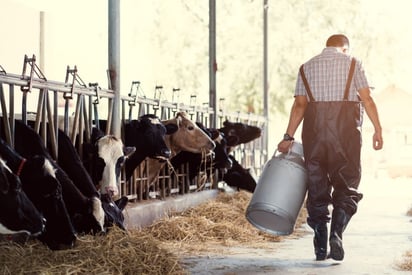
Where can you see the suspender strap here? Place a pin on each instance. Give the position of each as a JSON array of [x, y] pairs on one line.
[[350, 76], [305, 82]]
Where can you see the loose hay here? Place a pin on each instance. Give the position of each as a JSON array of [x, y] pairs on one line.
[[222, 220], [115, 253], [148, 251], [406, 263]]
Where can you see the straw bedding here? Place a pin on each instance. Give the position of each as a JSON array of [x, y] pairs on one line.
[[152, 250], [406, 263]]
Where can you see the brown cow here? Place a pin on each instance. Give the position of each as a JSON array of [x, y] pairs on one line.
[[189, 137]]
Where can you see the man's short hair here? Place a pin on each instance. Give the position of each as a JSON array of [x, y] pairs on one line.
[[337, 40]]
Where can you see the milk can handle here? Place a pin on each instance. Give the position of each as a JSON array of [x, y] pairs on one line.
[[288, 154]]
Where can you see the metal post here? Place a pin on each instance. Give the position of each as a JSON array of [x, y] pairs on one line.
[[212, 62], [114, 62], [41, 44], [265, 74]]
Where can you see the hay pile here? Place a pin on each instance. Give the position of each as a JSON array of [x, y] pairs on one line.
[[222, 220], [115, 253], [153, 250], [406, 263]]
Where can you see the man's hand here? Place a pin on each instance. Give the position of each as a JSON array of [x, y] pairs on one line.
[[284, 146], [377, 141]]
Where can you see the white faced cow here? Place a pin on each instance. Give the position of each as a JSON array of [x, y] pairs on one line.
[[188, 137], [108, 160]]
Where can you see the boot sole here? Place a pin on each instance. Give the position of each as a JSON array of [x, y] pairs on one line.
[[336, 250]]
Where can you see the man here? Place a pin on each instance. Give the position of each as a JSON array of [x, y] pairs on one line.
[[331, 93]]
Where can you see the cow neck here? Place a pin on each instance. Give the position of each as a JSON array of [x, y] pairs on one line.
[[169, 143]]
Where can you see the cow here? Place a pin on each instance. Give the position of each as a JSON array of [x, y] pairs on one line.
[[188, 137], [220, 158], [239, 177], [39, 181], [246, 133], [18, 215], [147, 134], [107, 155], [82, 210], [70, 161]]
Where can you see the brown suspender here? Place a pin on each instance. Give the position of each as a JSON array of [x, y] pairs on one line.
[[348, 82]]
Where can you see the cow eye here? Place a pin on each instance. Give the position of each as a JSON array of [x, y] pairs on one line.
[[190, 127]]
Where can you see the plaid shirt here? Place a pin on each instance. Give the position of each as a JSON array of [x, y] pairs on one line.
[[327, 74]]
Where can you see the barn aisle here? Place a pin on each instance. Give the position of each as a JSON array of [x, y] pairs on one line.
[[374, 241]]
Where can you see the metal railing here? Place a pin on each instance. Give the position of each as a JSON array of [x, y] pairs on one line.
[[74, 107]]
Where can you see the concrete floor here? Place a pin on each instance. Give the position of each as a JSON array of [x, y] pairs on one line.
[[375, 240]]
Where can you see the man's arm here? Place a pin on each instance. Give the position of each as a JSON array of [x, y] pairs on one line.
[[372, 112], [296, 116]]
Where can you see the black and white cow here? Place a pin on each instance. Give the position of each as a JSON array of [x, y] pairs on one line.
[[70, 161], [18, 215], [82, 209], [147, 135], [39, 181], [107, 155]]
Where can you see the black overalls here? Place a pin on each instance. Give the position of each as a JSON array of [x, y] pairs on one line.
[[331, 137]]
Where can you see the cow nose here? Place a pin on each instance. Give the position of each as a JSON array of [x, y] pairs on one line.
[[166, 153], [111, 191]]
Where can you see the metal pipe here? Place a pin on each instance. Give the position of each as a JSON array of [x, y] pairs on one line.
[[114, 62], [265, 74], [212, 62]]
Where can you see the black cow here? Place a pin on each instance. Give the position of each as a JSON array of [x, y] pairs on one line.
[[81, 209], [239, 177], [147, 135], [246, 133], [18, 215], [44, 190]]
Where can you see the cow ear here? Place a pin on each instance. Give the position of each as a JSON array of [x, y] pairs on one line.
[[171, 128], [128, 151], [122, 202], [232, 140]]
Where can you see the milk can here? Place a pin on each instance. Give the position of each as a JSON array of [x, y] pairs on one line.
[[280, 192]]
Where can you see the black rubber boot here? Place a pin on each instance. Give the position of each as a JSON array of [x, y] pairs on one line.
[[320, 241], [339, 221]]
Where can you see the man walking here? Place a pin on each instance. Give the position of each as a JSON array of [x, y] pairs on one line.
[[331, 93]]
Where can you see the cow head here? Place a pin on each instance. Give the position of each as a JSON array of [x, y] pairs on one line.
[[246, 133], [189, 137], [43, 188], [39, 182], [239, 177], [114, 211], [108, 160], [147, 134], [17, 213]]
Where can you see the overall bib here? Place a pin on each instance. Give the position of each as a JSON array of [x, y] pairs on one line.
[[331, 137]]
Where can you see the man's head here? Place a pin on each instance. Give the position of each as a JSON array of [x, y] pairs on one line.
[[338, 41]]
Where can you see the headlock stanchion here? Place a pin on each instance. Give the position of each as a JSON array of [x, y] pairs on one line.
[[91, 102]]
